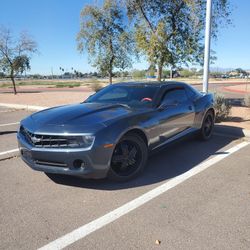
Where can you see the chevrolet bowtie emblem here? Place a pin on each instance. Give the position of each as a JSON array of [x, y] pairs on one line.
[[35, 140]]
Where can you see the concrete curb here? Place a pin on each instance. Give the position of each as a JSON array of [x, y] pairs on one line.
[[21, 106], [10, 154], [246, 132], [15, 152]]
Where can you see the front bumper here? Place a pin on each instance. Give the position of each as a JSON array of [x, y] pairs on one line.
[[92, 163]]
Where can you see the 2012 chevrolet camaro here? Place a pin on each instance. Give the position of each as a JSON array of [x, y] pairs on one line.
[[112, 132]]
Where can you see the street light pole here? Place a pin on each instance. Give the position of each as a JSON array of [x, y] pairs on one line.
[[207, 46]]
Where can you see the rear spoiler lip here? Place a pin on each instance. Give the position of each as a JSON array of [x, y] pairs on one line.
[[204, 93]]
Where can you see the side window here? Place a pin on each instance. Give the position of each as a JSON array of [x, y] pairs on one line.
[[191, 94], [177, 95]]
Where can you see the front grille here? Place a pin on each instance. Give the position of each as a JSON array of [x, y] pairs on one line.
[[51, 141]]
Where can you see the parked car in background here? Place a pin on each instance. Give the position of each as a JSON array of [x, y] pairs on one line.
[[113, 131]]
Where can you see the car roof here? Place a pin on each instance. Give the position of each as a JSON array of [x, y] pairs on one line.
[[150, 84]]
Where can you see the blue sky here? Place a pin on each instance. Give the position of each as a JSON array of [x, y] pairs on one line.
[[54, 25]]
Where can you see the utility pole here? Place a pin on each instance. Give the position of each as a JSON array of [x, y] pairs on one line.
[[52, 73], [207, 46]]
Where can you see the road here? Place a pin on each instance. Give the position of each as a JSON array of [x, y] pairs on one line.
[[207, 210], [233, 97]]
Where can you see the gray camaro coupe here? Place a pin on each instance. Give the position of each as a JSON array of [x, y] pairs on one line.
[[113, 131]]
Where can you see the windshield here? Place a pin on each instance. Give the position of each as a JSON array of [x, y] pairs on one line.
[[142, 95]]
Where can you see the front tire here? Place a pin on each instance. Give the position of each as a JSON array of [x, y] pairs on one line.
[[129, 158], [207, 127]]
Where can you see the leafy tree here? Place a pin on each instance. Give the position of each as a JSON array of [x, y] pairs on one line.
[[125, 73], [37, 76], [171, 32], [103, 34], [166, 73], [200, 72], [241, 71], [2, 75], [15, 53], [186, 73], [151, 71], [138, 73]]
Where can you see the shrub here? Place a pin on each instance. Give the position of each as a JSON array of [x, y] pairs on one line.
[[247, 100], [74, 85], [96, 86], [69, 85], [222, 107], [186, 73], [5, 85]]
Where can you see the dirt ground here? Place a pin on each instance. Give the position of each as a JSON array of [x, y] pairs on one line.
[[239, 117], [45, 99]]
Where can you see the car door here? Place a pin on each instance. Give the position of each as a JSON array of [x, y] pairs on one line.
[[175, 113]]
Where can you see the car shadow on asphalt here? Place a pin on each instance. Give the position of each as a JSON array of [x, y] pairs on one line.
[[164, 164], [7, 132]]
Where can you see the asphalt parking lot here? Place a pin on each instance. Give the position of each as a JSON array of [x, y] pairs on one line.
[[200, 191]]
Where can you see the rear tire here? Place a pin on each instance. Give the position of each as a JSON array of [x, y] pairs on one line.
[[207, 127], [129, 158]]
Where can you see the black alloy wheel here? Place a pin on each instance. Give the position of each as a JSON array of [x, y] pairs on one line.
[[207, 126], [129, 158]]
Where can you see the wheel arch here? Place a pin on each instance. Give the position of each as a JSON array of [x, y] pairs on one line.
[[131, 131], [138, 132], [208, 110], [134, 130], [212, 110]]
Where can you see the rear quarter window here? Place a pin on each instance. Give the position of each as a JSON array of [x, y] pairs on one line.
[[175, 95], [192, 92]]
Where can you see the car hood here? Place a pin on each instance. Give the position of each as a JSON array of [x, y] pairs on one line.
[[83, 117]]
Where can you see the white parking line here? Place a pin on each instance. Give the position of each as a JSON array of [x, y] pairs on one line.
[[100, 222], [5, 111], [9, 151], [8, 124]]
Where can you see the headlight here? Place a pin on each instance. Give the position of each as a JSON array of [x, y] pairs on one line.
[[85, 141], [88, 141]]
